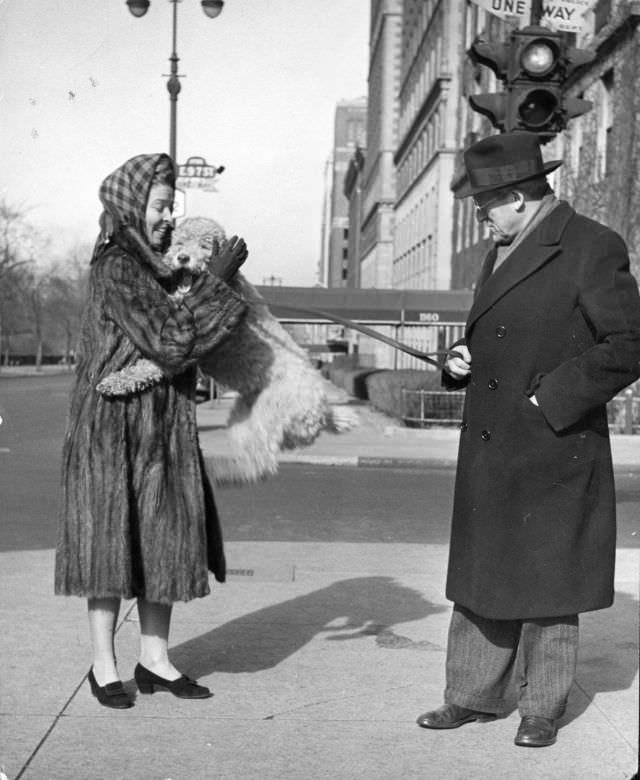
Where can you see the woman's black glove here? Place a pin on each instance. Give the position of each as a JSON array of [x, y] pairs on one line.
[[227, 258]]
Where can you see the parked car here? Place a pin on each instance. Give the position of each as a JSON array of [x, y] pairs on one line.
[[203, 388]]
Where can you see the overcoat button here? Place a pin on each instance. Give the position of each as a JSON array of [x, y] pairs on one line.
[[493, 384], [501, 331], [463, 426], [486, 435]]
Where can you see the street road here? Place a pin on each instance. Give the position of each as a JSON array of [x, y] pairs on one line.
[[304, 503]]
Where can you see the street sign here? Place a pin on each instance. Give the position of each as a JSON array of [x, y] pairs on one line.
[[197, 174], [562, 15]]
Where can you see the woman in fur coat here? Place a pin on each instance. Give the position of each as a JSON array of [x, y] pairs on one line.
[[138, 518]]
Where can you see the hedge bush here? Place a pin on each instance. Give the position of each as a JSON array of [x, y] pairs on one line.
[[353, 380], [385, 388]]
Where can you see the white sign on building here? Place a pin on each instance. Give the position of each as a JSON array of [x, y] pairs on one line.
[[562, 15]]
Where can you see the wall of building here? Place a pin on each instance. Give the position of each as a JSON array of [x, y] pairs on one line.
[[379, 191], [349, 132], [353, 192], [601, 149], [427, 142]]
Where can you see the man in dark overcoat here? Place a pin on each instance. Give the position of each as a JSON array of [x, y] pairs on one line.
[[552, 335]]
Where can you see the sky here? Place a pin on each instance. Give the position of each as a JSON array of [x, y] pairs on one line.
[[82, 90]]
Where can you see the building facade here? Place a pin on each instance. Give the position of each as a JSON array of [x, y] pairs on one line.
[[325, 230], [379, 185], [429, 97], [349, 133], [353, 190], [600, 176]]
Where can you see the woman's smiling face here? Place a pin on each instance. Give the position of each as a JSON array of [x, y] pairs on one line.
[[158, 216]]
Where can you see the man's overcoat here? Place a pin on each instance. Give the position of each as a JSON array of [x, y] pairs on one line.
[[533, 529]]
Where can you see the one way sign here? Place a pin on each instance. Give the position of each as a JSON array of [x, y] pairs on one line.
[[563, 15]]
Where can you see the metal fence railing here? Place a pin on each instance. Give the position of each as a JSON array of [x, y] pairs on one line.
[[423, 408], [623, 412]]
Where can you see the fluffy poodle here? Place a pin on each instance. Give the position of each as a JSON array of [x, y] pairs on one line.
[[282, 400]]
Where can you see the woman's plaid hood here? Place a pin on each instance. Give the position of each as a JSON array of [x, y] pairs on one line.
[[124, 194]]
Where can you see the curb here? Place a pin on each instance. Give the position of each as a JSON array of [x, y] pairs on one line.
[[367, 461], [371, 461], [354, 461]]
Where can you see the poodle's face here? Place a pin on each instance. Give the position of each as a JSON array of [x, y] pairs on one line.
[[192, 244]]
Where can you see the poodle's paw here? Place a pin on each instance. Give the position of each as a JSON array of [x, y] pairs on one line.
[[341, 419], [133, 379], [233, 469]]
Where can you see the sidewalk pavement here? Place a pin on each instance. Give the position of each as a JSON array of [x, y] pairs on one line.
[[321, 656], [378, 440]]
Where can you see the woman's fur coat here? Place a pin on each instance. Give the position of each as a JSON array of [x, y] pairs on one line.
[[282, 400], [138, 517]]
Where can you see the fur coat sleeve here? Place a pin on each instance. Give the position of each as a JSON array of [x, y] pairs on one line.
[[174, 335]]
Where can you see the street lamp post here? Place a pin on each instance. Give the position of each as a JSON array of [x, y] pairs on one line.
[[138, 8]]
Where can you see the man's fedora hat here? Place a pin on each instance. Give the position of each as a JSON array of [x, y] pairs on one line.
[[500, 160]]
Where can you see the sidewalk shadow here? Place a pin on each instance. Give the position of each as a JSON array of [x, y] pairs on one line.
[[607, 657], [608, 653], [347, 610]]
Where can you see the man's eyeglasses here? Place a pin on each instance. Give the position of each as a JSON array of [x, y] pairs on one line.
[[481, 211]]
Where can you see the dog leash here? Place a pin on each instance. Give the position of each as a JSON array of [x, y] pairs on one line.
[[427, 357], [163, 271]]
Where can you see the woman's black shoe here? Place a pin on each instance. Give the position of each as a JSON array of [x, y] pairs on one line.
[[184, 687], [110, 695]]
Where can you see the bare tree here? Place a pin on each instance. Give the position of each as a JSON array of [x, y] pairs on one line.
[[15, 241], [66, 294]]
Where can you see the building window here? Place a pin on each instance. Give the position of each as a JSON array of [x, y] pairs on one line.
[[602, 12], [345, 253], [345, 273], [345, 234], [605, 124]]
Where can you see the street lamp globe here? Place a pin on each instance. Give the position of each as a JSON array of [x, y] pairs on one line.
[[212, 8], [138, 7]]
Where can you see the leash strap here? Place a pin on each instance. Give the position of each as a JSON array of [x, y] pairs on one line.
[[427, 357]]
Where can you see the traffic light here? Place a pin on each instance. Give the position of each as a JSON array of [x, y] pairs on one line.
[[534, 67], [539, 64], [495, 56]]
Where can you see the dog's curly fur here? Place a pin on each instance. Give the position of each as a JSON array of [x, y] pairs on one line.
[[282, 400]]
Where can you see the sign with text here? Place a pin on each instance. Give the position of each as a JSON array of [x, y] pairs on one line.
[[562, 15], [197, 174]]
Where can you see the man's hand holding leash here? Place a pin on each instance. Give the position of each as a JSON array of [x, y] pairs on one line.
[[458, 362]]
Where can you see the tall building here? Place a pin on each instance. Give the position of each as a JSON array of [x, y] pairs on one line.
[[427, 136], [379, 185], [349, 133], [325, 230], [353, 190]]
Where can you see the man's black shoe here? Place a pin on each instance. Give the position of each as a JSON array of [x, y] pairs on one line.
[[535, 731], [450, 716]]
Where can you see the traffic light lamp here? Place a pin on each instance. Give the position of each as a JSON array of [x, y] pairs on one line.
[[534, 67], [495, 56]]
